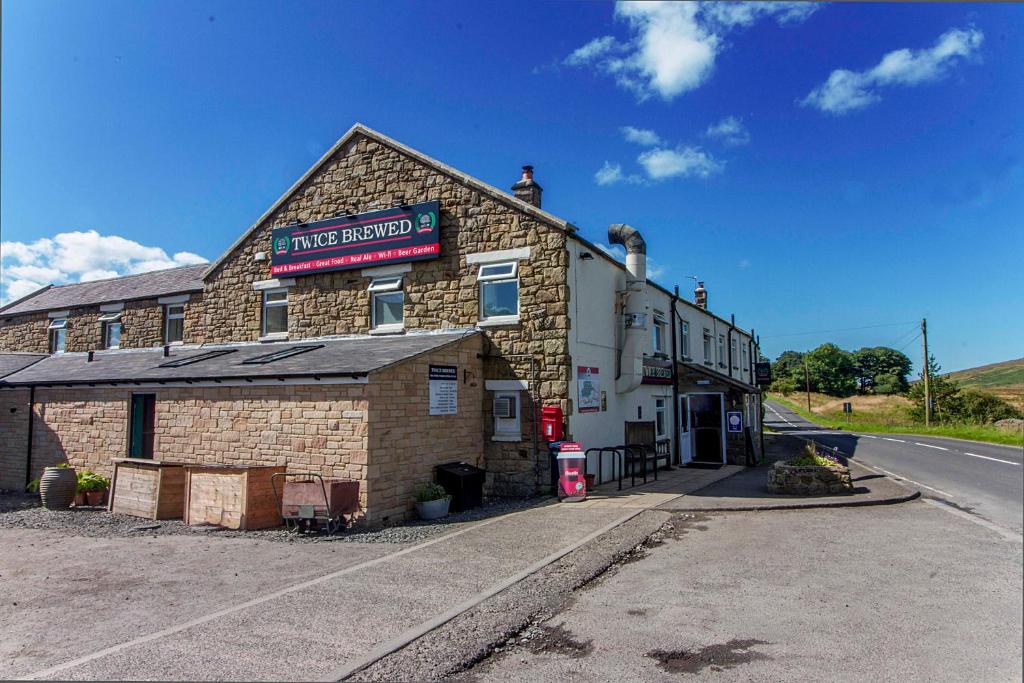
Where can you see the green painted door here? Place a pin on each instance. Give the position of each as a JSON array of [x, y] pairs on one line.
[[141, 423]]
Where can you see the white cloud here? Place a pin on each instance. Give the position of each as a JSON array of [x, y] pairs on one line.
[[673, 45], [640, 136], [729, 131], [846, 90], [610, 174], [660, 163], [79, 256]]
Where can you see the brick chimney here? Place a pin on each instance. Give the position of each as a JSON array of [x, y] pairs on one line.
[[526, 189], [700, 296]]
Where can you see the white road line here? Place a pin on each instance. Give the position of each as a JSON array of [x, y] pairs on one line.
[[896, 440], [928, 445], [915, 483], [866, 436], [985, 457], [779, 415]]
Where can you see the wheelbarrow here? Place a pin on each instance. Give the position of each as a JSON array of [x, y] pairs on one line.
[[304, 503]]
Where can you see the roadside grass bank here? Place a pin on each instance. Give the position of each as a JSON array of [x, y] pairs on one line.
[[887, 419]]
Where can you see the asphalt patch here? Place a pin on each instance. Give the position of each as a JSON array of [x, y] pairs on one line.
[[558, 640], [714, 657]]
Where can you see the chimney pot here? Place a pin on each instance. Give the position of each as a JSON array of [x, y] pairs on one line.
[[527, 188], [700, 296]]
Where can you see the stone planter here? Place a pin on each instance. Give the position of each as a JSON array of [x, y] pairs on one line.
[[57, 487], [434, 509], [810, 480]]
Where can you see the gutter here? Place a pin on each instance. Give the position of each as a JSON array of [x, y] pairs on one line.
[[676, 447]]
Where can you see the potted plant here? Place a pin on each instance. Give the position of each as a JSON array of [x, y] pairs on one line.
[[431, 500], [57, 487], [93, 486]]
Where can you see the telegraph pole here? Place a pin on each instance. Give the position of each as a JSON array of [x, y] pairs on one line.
[[807, 383], [927, 387]]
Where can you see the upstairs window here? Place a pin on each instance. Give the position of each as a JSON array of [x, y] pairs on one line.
[[735, 355], [387, 304], [721, 350], [58, 329], [174, 323], [684, 339], [658, 336], [275, 312], [499, 291], [111, 329], [707, 347], [746, 364]]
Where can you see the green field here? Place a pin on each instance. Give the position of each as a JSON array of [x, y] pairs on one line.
[[885, 415], [1005, 380]]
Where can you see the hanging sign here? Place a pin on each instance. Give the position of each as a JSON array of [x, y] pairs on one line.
[[588, 381], [443, 389], [397, 235], [762, 373], [657, 371]]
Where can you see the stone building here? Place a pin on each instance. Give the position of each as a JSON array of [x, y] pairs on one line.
[[376, 252]]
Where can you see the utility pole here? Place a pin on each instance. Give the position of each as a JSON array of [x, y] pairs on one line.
[[807, 382], [927, 387]]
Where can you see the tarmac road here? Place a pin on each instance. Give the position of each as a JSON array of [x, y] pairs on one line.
[[984, 480]]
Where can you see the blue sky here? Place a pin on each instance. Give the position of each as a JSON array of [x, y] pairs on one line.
[[820, 167]]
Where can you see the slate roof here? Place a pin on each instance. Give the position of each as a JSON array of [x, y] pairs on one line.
[[12, 362], [351, 357], [127, 288]]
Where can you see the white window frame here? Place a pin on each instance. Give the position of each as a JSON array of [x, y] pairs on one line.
[[658, 330], [484, 278], [385, 286], [511, 428], [661, 409], [709, 346], [274, 304], [746, 359], [684, 339], [58, 328], [168, 317], [721, 350], [107, 320], [735, 353]]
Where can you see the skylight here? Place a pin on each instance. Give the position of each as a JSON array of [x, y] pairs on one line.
[[179, 362], [278, 355]]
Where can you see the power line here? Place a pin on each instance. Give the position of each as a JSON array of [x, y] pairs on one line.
[[844, 329], [916, 337]]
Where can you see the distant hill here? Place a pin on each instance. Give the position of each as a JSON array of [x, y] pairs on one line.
[[1005, 380]]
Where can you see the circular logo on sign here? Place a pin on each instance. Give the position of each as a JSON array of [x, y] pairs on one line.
[[734, 420], [425, 222], [579, 486], [281, 245]]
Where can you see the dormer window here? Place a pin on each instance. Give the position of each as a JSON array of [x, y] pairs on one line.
[[58, 330], [111, 329]]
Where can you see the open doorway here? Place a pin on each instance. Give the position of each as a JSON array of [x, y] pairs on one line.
[[707, 427]]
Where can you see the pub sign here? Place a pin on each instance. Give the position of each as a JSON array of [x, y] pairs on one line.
[[657, 371], [396, 235], [762, 373]]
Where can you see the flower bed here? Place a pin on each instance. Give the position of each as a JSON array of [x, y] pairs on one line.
[[809, 474]]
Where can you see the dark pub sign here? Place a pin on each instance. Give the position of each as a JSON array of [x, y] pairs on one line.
[[762, 373], [397, 235]]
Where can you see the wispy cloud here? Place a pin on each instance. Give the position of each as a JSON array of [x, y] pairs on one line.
[[672, 46], [610, 174], [729, 131], [640, 136], [685, 162], [846, 91], [79, 257]]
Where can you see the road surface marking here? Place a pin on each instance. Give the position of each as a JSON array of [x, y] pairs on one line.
[[896, 440], [777, 413], [1008, 462], [928, 445], [915, 483], [866, 436]]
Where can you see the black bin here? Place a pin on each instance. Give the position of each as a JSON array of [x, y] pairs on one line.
[[463, 482]]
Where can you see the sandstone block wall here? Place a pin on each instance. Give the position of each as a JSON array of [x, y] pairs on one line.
[[13, 438]]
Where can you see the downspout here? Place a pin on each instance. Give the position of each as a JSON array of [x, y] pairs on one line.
[[634, 313], [677, 433], [28, 451], [728, 340]]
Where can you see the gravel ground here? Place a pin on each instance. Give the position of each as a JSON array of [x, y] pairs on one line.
[[23, 511]]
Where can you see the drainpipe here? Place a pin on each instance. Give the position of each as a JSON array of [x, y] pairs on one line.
[[675, 381], [728, 340], [634, 314], [28, 451]]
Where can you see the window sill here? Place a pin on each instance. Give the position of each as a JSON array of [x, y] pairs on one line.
[[507, 437], [499, 321], [708, 363], [274, 336], [388, 329]]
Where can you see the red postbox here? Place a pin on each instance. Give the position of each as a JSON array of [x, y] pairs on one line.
[[572, 472], [551, 423]]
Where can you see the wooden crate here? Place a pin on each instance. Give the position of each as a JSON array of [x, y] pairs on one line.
[[152, 489], [232, 496]]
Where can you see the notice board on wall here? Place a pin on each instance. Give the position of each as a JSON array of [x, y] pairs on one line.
[[444, 389], [588, 381]]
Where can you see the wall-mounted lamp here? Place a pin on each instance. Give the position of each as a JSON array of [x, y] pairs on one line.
[[586, 256]]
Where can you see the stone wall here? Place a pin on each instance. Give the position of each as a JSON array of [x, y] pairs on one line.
[[26, 333], [83, 427], [406, 442], [13, 438], [810, 480]]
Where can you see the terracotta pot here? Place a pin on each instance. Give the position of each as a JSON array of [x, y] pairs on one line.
[[95, 498], [80, 499], [57, 487]]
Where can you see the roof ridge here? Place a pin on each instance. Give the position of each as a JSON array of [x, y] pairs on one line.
[[125, 277]]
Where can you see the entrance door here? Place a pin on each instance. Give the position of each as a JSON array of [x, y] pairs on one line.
[[141, 426], [707, 427], [685, 440]]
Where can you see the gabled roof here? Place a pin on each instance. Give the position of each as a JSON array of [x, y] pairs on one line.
[[348, 357], [12, 362], [360, 129], [127, 288]]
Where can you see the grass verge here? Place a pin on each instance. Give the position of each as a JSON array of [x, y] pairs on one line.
[[865, 422]]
